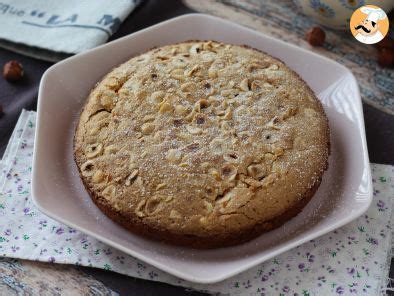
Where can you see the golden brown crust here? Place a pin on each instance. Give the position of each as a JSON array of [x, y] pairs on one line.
[[208, 242], [202, 144]]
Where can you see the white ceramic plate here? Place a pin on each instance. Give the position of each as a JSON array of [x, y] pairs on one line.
[[345, 193]]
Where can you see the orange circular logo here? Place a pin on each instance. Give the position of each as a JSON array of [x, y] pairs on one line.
[[369, 24]]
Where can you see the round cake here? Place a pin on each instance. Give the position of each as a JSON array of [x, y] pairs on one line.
[[202, 144]]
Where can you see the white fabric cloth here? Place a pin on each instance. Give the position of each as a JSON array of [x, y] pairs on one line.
[[52, 29]]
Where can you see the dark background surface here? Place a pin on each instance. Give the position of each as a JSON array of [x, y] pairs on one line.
[[23, 94]]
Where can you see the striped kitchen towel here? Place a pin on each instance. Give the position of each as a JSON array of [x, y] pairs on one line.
[[52, 30]]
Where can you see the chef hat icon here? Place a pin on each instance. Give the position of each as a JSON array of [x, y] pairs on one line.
[[374, 14]]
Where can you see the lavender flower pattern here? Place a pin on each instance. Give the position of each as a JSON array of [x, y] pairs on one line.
[[349, 260]]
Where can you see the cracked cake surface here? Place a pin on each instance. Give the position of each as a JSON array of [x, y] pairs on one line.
[[202, 144]]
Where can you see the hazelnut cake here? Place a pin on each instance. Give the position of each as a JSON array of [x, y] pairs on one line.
[[202, 144]]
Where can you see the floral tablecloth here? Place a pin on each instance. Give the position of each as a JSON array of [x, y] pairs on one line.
[[351, 260]]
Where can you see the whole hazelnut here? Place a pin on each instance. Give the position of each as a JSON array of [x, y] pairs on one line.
[[386, 57], [13, 71], [316, 36]]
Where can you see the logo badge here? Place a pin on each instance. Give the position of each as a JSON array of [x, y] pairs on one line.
[[369, 24]]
